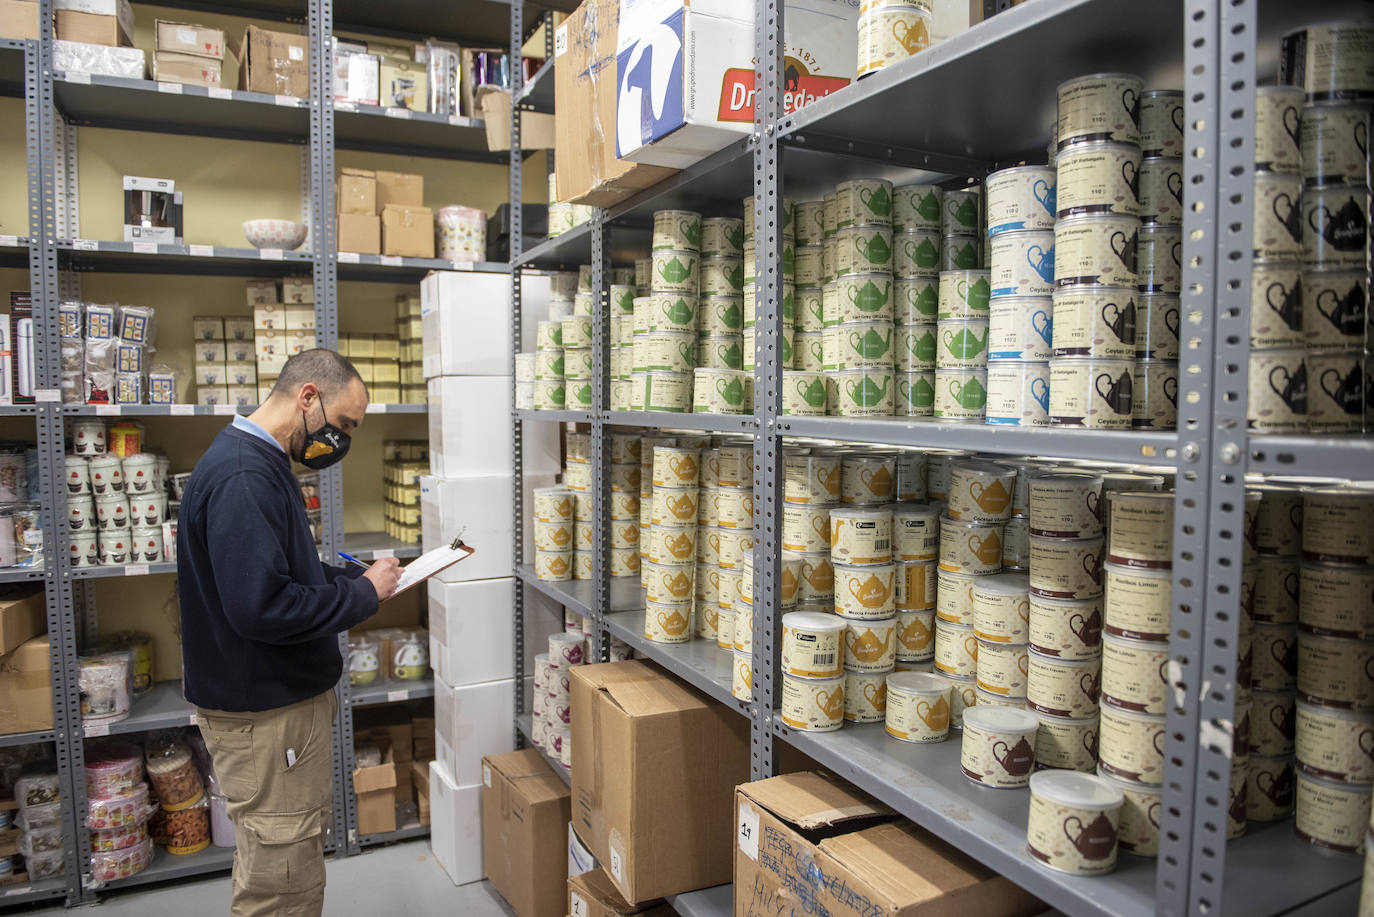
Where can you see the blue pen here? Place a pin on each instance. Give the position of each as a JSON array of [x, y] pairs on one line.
[[353, 560]]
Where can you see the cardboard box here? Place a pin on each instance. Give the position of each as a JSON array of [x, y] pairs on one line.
[[260, 292], [212, 374], [239, 351], [19, 19], [242, 372], [407, 231], [214, 394], [455, 826], [654, 770], [470, 623], [357, 191], [26, 688], [274, 62], [188, 38], [237, 328], [95, 22], [375, 788], [402, 83], [400, 188], [677, 114], [361, 233], [537, 131], [189, 69], [423, 732], [471, 722], [419, 776], [355, 77], [468, 82], [207, 328], [465, 321], [298, 290], [385, 393], [300, 318], [809, 831], [245, 396], [588, 171], [473, 505], [23, 615], [593, 894], [524, 808], [465, 409], [268, 317]]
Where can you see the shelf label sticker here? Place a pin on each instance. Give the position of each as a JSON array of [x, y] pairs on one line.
[[85, 245], [181, 410], [383, 552], [345, 106], [76, 76], [374, 408], [393, 696], [461, 265], [107, 410], [455, 120], [9, 241], [348, 258], [201, 251], [219, 92], [560, 41], [579, 904], [47, 395], [271, 254], [97, 729], [288, 101], [486, 774], [145, 248], [748, 831], [136, 570], [191, 718], [173, 88], [225, 409], [397, 112], [391, 260]]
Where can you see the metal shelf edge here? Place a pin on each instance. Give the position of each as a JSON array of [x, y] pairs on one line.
[[525, 723], [687, 661]]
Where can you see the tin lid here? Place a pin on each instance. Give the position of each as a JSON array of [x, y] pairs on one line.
[[1088, 218], [1065, 477], [916, 683], [1044, 659], [1162, 94], [1130, 480], [813, 620], [1003, 584], [1295, 92], [836, 679], [1126, 786], [1151, 572], [1309, 709], [1360, 791], [1147, 496], [1108, 710], [948, 521], [861, 512], [1070, 788], [1343, 492], [974, 466], [1147, 646], [914, 511], [1018, 170], [1003, 720]]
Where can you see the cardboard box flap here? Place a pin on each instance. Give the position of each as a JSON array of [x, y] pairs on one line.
[[528, 772], [909, 867], [809, 801], [596, 887], [378, 777], [639, 689]]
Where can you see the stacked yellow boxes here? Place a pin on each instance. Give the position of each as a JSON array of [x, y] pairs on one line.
[[376, 357], [226, 372], [283, 324], [410, 350], [404, 461]]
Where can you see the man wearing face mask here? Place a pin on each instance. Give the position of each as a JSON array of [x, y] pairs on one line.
[[260, 619]]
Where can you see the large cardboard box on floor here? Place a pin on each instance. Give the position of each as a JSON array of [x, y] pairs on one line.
[[525, 807], [274, 62], [26, 688], [455, 825], [702, 98], [853, 858], [593, 894], [588, 171], [654, 769]]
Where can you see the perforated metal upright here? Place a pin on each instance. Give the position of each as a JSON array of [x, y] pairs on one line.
[[517, 429], [600, 436]]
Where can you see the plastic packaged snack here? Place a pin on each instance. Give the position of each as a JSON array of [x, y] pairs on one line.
[[119, 838], [188, 830], [44, 865], [36, 788], [107, 866], [173, 774], [126, 807], [40, 840], [112, 767]]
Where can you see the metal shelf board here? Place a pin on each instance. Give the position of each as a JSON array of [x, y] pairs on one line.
[[720, 182], [925, 783], [14, 250], [1271, 870], [718, 901], [41, 890], [525, 723], [124, 570], [390, 692], [714, 423], [400, 834], [1044, 43], [278, 10], [26, 738], [1335, 456], [560, 416], [18, 410], [701, 663], [21, 574], [396, 269], [161, 708], [167, 866], [147, 258], [172, 108], [376, 545], [376, 408], [1130, 446], [372, 128], [155, 410], [626, 593], [481, 22], [538, 93]]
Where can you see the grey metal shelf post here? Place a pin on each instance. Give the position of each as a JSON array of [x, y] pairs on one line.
[[517, 427], [600, 436]]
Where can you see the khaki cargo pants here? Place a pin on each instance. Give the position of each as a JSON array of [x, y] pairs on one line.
[[279, 811]]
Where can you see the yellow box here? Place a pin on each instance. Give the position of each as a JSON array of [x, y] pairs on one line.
[[386, 393], [386, 371], [360, 345], [386, 346], [364, 367]]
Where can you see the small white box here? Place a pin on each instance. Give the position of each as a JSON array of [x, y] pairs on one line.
[[455, 828], [269, 317], [238, 329], [470, 627], [211, 374], [211, 352], [479, 508], [466, 320], [470, 722], [468, 420]]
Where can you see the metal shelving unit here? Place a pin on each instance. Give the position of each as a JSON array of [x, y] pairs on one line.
[[962, 118], [523, 723]]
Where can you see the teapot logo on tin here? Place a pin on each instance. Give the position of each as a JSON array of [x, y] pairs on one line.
[[1346, 230], [1278, 787], [680, 546], [684, 466], [1041, 261], [987, 548], [1291, 220], [820, 577], [1130, 173], [1287, 305], [677, 585], [676, 311], [732, 391], [875, 250], [1095, 840], [879, 483], [1043, 324], [871, 593], [877, 200], [1121, 320], [919, 393], [962, 210], [867, 647], [963, 255], [923, 254], [869, 297], [876, 694], [1016, 759], [922, 346], [1130, 100], [831, 703], [936, 715], [1092, 565], [558, 565], [915, 636], [912, 38], [867, 393], [1345, 313], [674, 271], [1117, 393], [870, 344], [1124, 248], [969, 395], [674, 624], [746, 673], [1236, 808], [964, 344], [1090, 683], [992, 498], [1040, 391], [1346, 392], [1285, 653], [1047, 195], [682, 507], [1291, 387], [812, 392], [1090, 743]]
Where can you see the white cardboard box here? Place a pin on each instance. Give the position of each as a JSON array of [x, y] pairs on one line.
[[455, 825], [466, 318], [685, 72], [479, 508], [470, 629], [469, 430], [470, 722]]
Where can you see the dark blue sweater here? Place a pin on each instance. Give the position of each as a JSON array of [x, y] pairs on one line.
[[260, 614]]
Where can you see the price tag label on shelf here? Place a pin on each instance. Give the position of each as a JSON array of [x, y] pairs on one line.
[[393, 696], [173, 88], [398, 113], [461, 265], [9, 241], [455, 120], [288, 101], [392, 260], [107, 410], [145, 248], [191, 719], [374, 408], [345, 106], [219, 92], [181, 410], [348, 257], [76, 76], [226, 409], [97, 729], [201, 251], [47, 395], [136, 570], [271, 254], [85, 245], [384, 552]]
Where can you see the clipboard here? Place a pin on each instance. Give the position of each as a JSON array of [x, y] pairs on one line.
[[431, 564]]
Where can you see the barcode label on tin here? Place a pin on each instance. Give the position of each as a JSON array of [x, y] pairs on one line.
[[824, 659], [883, 544]]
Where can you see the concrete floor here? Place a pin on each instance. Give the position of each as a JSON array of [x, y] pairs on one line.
[[402, 878]]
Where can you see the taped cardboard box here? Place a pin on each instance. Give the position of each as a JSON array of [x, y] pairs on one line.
[[401, 188], [808, 834], [357, 191], [19, 19], [593, 894], [188, 38], [588, 171], [407, 231], [375, 788], [95, 22], [654, 769], [26, 688], [537, 131], [274, 62], [524, 808], [23, 615], [189, 69], [360, 232]]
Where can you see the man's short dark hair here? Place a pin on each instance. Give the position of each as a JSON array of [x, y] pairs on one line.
[[329, 372]]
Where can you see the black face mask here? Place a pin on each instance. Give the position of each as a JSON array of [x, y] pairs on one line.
[[326, 446]]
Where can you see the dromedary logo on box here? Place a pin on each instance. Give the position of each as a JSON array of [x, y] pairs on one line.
[[800, 87]]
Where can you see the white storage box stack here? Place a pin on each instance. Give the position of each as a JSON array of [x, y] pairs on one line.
[[467, 362]]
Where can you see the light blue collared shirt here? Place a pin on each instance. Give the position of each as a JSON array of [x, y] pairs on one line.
[[253, 429]]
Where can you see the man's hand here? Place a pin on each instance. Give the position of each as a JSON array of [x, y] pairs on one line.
[[384, 574]]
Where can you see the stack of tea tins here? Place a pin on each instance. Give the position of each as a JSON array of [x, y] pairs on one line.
[[670, 566], [665, 322], [627, 481], [917, 218], [787, 359], [720, 384]]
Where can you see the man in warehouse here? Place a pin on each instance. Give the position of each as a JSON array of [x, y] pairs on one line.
[[260, 619]]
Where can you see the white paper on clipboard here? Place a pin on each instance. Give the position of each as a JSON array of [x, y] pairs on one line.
[[431, 563]]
